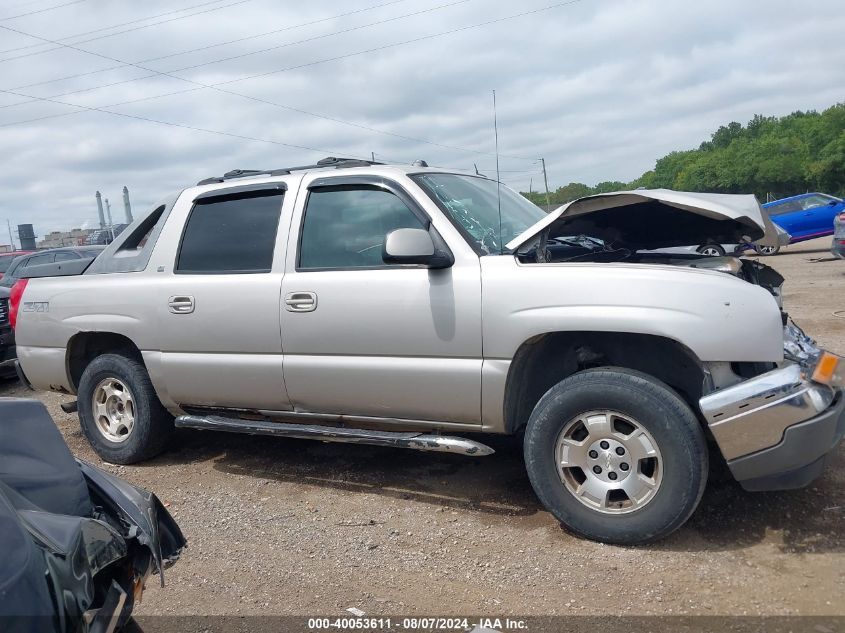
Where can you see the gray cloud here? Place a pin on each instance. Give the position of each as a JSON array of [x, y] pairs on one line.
[[600, 88]]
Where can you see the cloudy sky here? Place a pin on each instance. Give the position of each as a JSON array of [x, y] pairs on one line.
[[155, 95]]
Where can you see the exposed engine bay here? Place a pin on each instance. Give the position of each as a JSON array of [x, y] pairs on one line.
[[583, 248], [657, 227]]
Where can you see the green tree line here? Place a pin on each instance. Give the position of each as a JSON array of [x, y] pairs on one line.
[[771, 157]]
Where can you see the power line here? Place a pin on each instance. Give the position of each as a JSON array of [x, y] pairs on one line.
[[137, 28], [155, 73], [58, 6], [202, 86], [209, 46], [185, 126], [258, 99], [113, 26], [252, 98]]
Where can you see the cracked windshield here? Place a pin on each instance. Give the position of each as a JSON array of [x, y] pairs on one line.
[[473, 203]]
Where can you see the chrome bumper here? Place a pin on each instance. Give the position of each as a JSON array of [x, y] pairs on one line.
[[753, 415]]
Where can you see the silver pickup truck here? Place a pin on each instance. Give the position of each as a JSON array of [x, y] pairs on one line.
[[408, 306]]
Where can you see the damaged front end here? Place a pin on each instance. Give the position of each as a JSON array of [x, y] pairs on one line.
[[81, 543], [776, 429], [647, 227]]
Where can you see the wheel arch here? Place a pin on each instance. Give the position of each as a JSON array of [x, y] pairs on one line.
[[83, 347], [545, 359]]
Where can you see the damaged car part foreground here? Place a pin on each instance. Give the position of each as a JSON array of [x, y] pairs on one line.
[[406, 305], [78, 544]]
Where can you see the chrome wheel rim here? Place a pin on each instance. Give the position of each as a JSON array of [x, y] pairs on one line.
[[767, 250], [114, 410], [710, 251], [609, 462]]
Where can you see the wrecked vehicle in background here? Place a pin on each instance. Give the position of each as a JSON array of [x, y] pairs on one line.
[[77, 543], [404, 306]]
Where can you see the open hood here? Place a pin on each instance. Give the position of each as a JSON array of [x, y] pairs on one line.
[[659, 218]]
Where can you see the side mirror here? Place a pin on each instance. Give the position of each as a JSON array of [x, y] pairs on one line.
[[415, 246]]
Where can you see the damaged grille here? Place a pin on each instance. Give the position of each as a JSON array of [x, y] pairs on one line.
[[4, 312]]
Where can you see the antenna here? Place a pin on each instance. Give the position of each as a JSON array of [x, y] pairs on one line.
[[498, 179]]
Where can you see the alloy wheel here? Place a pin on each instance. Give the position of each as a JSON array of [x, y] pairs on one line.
[[609, 462], [114, 410]]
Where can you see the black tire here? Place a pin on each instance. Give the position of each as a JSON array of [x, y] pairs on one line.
[[661, 412], [717, 249], [767, 251], [153, 424]]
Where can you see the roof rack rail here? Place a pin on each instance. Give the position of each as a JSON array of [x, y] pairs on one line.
[[331, 161]]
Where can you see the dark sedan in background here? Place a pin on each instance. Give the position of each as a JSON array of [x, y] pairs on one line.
[[13, 270], [65, 254], [6, 260]]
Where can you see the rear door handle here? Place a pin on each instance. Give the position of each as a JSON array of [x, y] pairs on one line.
[[181, 304], [300, 302]]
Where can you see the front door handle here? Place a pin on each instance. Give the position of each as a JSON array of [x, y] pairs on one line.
[[181, 304], [300, 302]]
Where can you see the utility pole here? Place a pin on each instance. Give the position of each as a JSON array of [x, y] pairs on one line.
[[11, 239], [546, 180], [373, 156]]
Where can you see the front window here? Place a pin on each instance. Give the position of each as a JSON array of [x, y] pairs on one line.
[[345, 226], [489, 214], [817, 200]]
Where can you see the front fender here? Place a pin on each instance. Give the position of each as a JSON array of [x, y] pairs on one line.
[[717, 316]]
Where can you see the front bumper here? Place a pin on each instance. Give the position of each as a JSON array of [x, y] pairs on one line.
[[776, 429]]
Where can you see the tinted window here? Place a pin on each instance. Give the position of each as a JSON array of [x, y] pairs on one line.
[[5, 262], [231, 234], [66, 256], [345, 227], [37, 260]]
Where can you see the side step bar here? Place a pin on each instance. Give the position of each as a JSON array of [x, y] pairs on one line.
[[416, 441]]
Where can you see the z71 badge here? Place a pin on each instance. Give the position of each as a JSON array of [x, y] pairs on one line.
[[35, 306]]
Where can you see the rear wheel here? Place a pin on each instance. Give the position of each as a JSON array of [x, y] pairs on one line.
[[767, 250], [616, 456], [119, 411], [711, 250]]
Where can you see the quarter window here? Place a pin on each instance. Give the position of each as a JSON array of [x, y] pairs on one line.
[[345, 227], [228, 234]]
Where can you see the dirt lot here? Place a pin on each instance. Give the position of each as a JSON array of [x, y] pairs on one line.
[[297, 527]]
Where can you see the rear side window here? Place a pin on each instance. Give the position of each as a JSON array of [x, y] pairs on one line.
[[66, 256], [229, 234], [37, 260], [345, 227]]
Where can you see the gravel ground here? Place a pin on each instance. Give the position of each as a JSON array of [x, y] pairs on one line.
[[297, 527]]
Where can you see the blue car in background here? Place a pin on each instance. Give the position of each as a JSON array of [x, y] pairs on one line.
[[804, 217]]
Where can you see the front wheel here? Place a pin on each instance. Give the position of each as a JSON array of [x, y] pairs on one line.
[[616, 456], [119, 411]]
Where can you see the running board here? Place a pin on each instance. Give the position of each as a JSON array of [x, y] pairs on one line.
[[416, 441]]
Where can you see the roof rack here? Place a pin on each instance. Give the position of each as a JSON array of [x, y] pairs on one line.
[[331, 161]]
